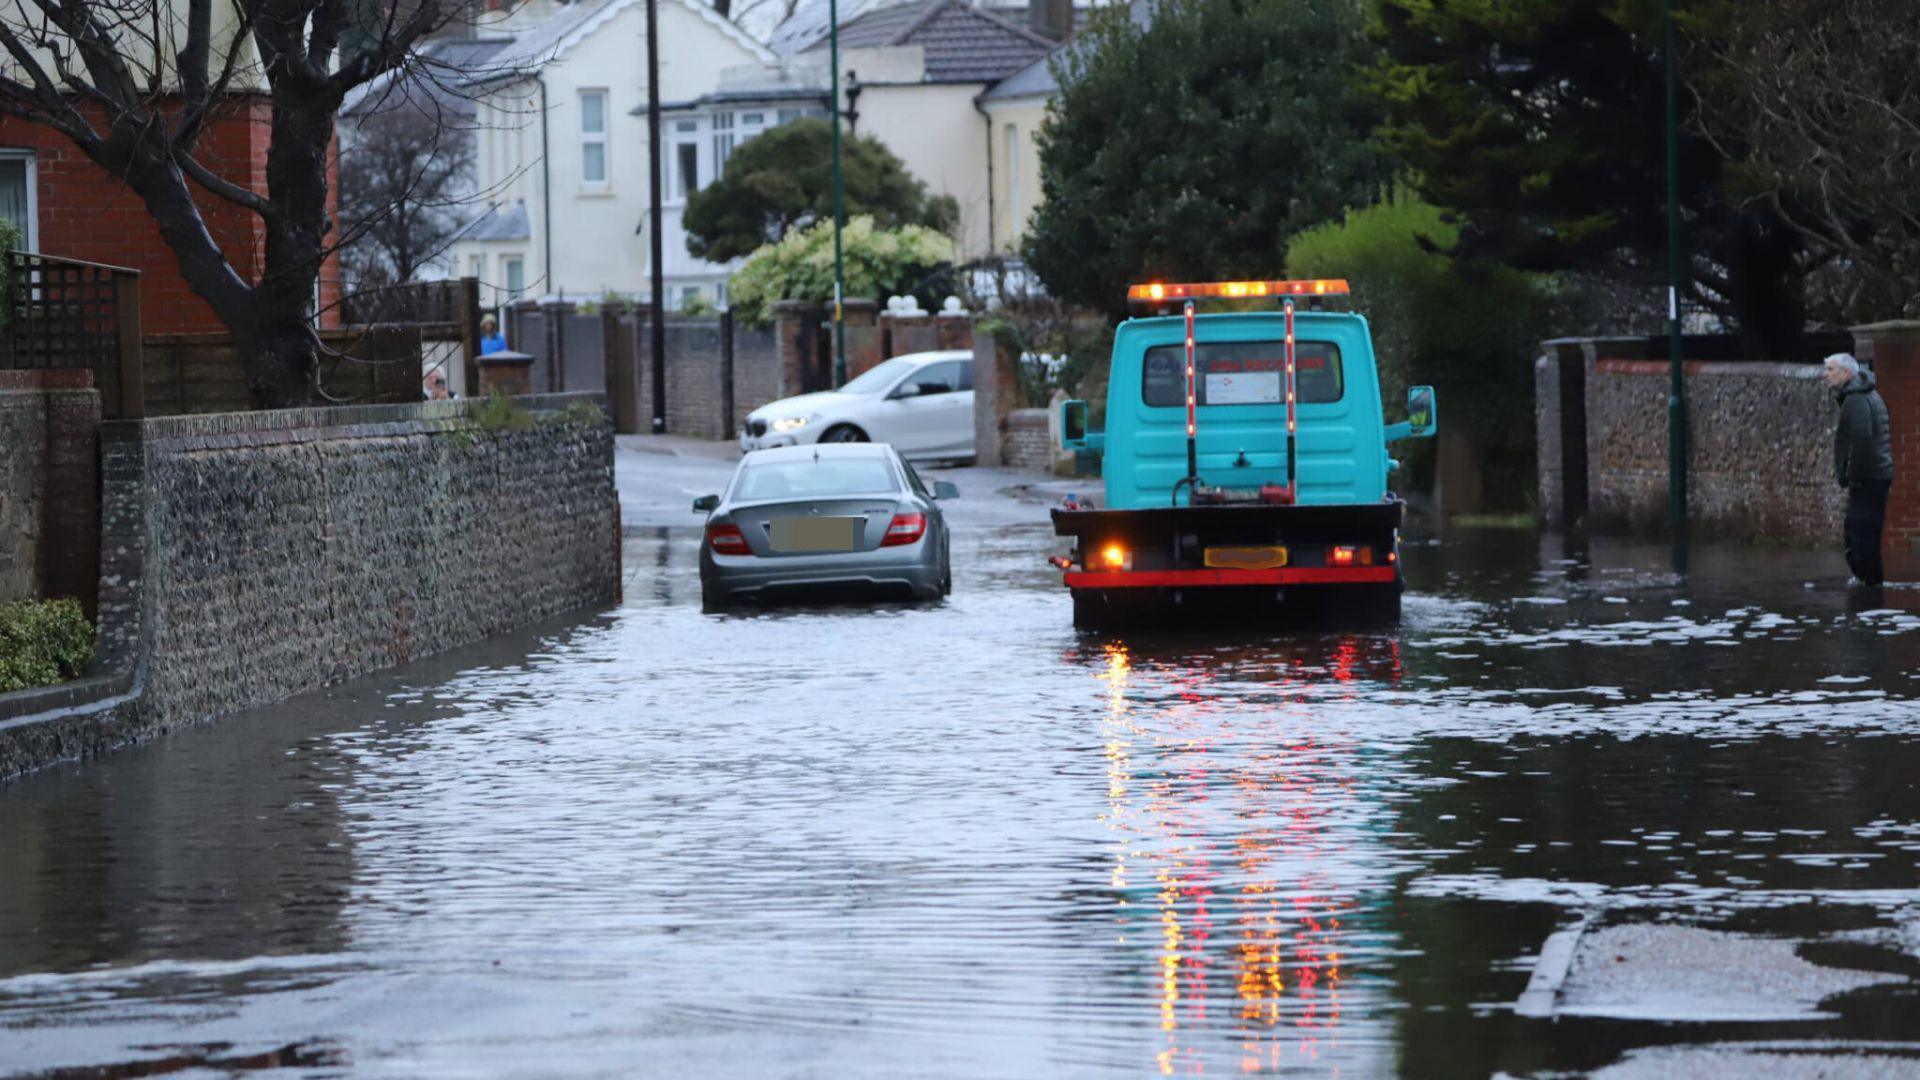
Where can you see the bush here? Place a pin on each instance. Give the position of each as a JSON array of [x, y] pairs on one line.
[[1470, 331], [42, 642], [879, 262]]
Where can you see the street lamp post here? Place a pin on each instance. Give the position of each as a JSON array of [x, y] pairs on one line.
[[657, 320], [839, 205], [1677, 390]]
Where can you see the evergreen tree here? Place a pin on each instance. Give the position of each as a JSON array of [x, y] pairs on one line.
[[784, 177], [1542, 126], [1191, 146]]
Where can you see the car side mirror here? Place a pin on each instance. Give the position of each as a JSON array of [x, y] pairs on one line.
[[1073, 424], [945, 489], [904, 390], [706, 504], [1423, 412]]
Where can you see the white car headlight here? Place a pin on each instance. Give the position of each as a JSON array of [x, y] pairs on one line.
[[793, 423]]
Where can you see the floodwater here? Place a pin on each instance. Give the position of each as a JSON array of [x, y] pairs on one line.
[[966, 841]]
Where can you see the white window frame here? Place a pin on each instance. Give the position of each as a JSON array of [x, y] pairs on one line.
[[596, 138], [506, 279], [686, 132], [723, 141], [32, 239]]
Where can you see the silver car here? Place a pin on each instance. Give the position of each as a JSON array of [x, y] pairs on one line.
[[832, 519]]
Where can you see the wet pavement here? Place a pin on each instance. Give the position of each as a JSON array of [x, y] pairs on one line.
[[966, 841]]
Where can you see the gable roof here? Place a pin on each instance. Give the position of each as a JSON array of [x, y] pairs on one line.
[[961, 43], [569, 26], [438, 67], [1034, 80]]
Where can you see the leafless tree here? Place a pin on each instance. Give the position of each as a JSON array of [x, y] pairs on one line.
[[400, 193], [136, 85], [1825, 100]]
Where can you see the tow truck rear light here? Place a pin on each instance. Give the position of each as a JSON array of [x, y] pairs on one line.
[[905, 529], [1350, 555], [1234, 290], [726, 540], [1115, 557]]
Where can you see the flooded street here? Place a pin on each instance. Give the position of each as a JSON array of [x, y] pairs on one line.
[[968, 841]]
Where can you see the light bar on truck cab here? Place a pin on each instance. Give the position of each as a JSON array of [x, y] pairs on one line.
[[1235, 290]]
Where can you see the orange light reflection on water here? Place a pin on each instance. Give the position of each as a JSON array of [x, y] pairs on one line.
[[1225, 811]]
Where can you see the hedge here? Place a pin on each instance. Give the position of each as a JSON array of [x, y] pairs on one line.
[[42, 642]]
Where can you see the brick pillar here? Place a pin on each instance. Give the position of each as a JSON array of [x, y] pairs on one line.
[[996, 393], [507, 371], [953, 331], [1892, 349], [793, 322], [70, 525], [864, 346]]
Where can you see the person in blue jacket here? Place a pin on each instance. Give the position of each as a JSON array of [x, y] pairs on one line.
[[491, 340]]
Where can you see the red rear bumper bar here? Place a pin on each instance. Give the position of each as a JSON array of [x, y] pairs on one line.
[[1296, 575]]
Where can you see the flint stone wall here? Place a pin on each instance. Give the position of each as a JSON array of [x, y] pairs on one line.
[[1760, 449], [248, 557]]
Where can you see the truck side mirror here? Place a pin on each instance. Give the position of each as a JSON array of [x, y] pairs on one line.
[[705, 504], [1073, 424], [1423, 412]]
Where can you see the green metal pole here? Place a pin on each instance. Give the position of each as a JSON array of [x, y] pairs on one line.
[[1677, 393], [839, 205]]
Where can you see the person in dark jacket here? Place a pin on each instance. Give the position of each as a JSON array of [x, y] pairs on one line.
[[1862, 462]]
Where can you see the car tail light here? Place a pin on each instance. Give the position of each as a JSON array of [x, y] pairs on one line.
[[905, 529], [1350, 555], [726, 540]]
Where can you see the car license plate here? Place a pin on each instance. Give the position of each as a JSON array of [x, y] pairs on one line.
[[1247, 558], [814, 533]]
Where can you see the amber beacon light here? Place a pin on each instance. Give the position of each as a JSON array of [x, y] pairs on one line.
[[1235, 290]]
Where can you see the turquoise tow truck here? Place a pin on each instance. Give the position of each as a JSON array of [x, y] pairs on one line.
[[1245, 464]]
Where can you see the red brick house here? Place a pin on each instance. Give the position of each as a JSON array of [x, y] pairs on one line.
[[67, 206]]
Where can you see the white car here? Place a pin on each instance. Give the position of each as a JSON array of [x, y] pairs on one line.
[[921, 403]]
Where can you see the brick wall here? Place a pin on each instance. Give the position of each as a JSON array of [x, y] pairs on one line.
[[695, 404], [248, 557], [1893, 350], [1027, 443], [86, 213]]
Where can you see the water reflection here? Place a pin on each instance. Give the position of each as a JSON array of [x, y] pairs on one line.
[[966, 840], [1227, 810]]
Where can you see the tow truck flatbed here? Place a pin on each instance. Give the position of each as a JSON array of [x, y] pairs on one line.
[[1245, 467]]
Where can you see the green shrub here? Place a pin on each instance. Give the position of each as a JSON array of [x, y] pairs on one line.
[[42, 642], [498, 412], [879, 262], [1470, 331]]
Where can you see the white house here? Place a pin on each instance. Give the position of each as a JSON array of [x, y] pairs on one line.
[[912, 75], [562, 160], [700, 135]]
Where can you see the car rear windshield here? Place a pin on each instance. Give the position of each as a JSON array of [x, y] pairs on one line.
[[808, 479], [1242, 373]]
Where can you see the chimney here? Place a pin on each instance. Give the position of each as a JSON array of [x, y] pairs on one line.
[[1051, 19]]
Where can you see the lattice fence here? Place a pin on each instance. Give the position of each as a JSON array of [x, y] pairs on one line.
[[70, 314]]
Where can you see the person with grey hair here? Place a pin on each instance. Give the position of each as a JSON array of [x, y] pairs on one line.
[[1862, 462]]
